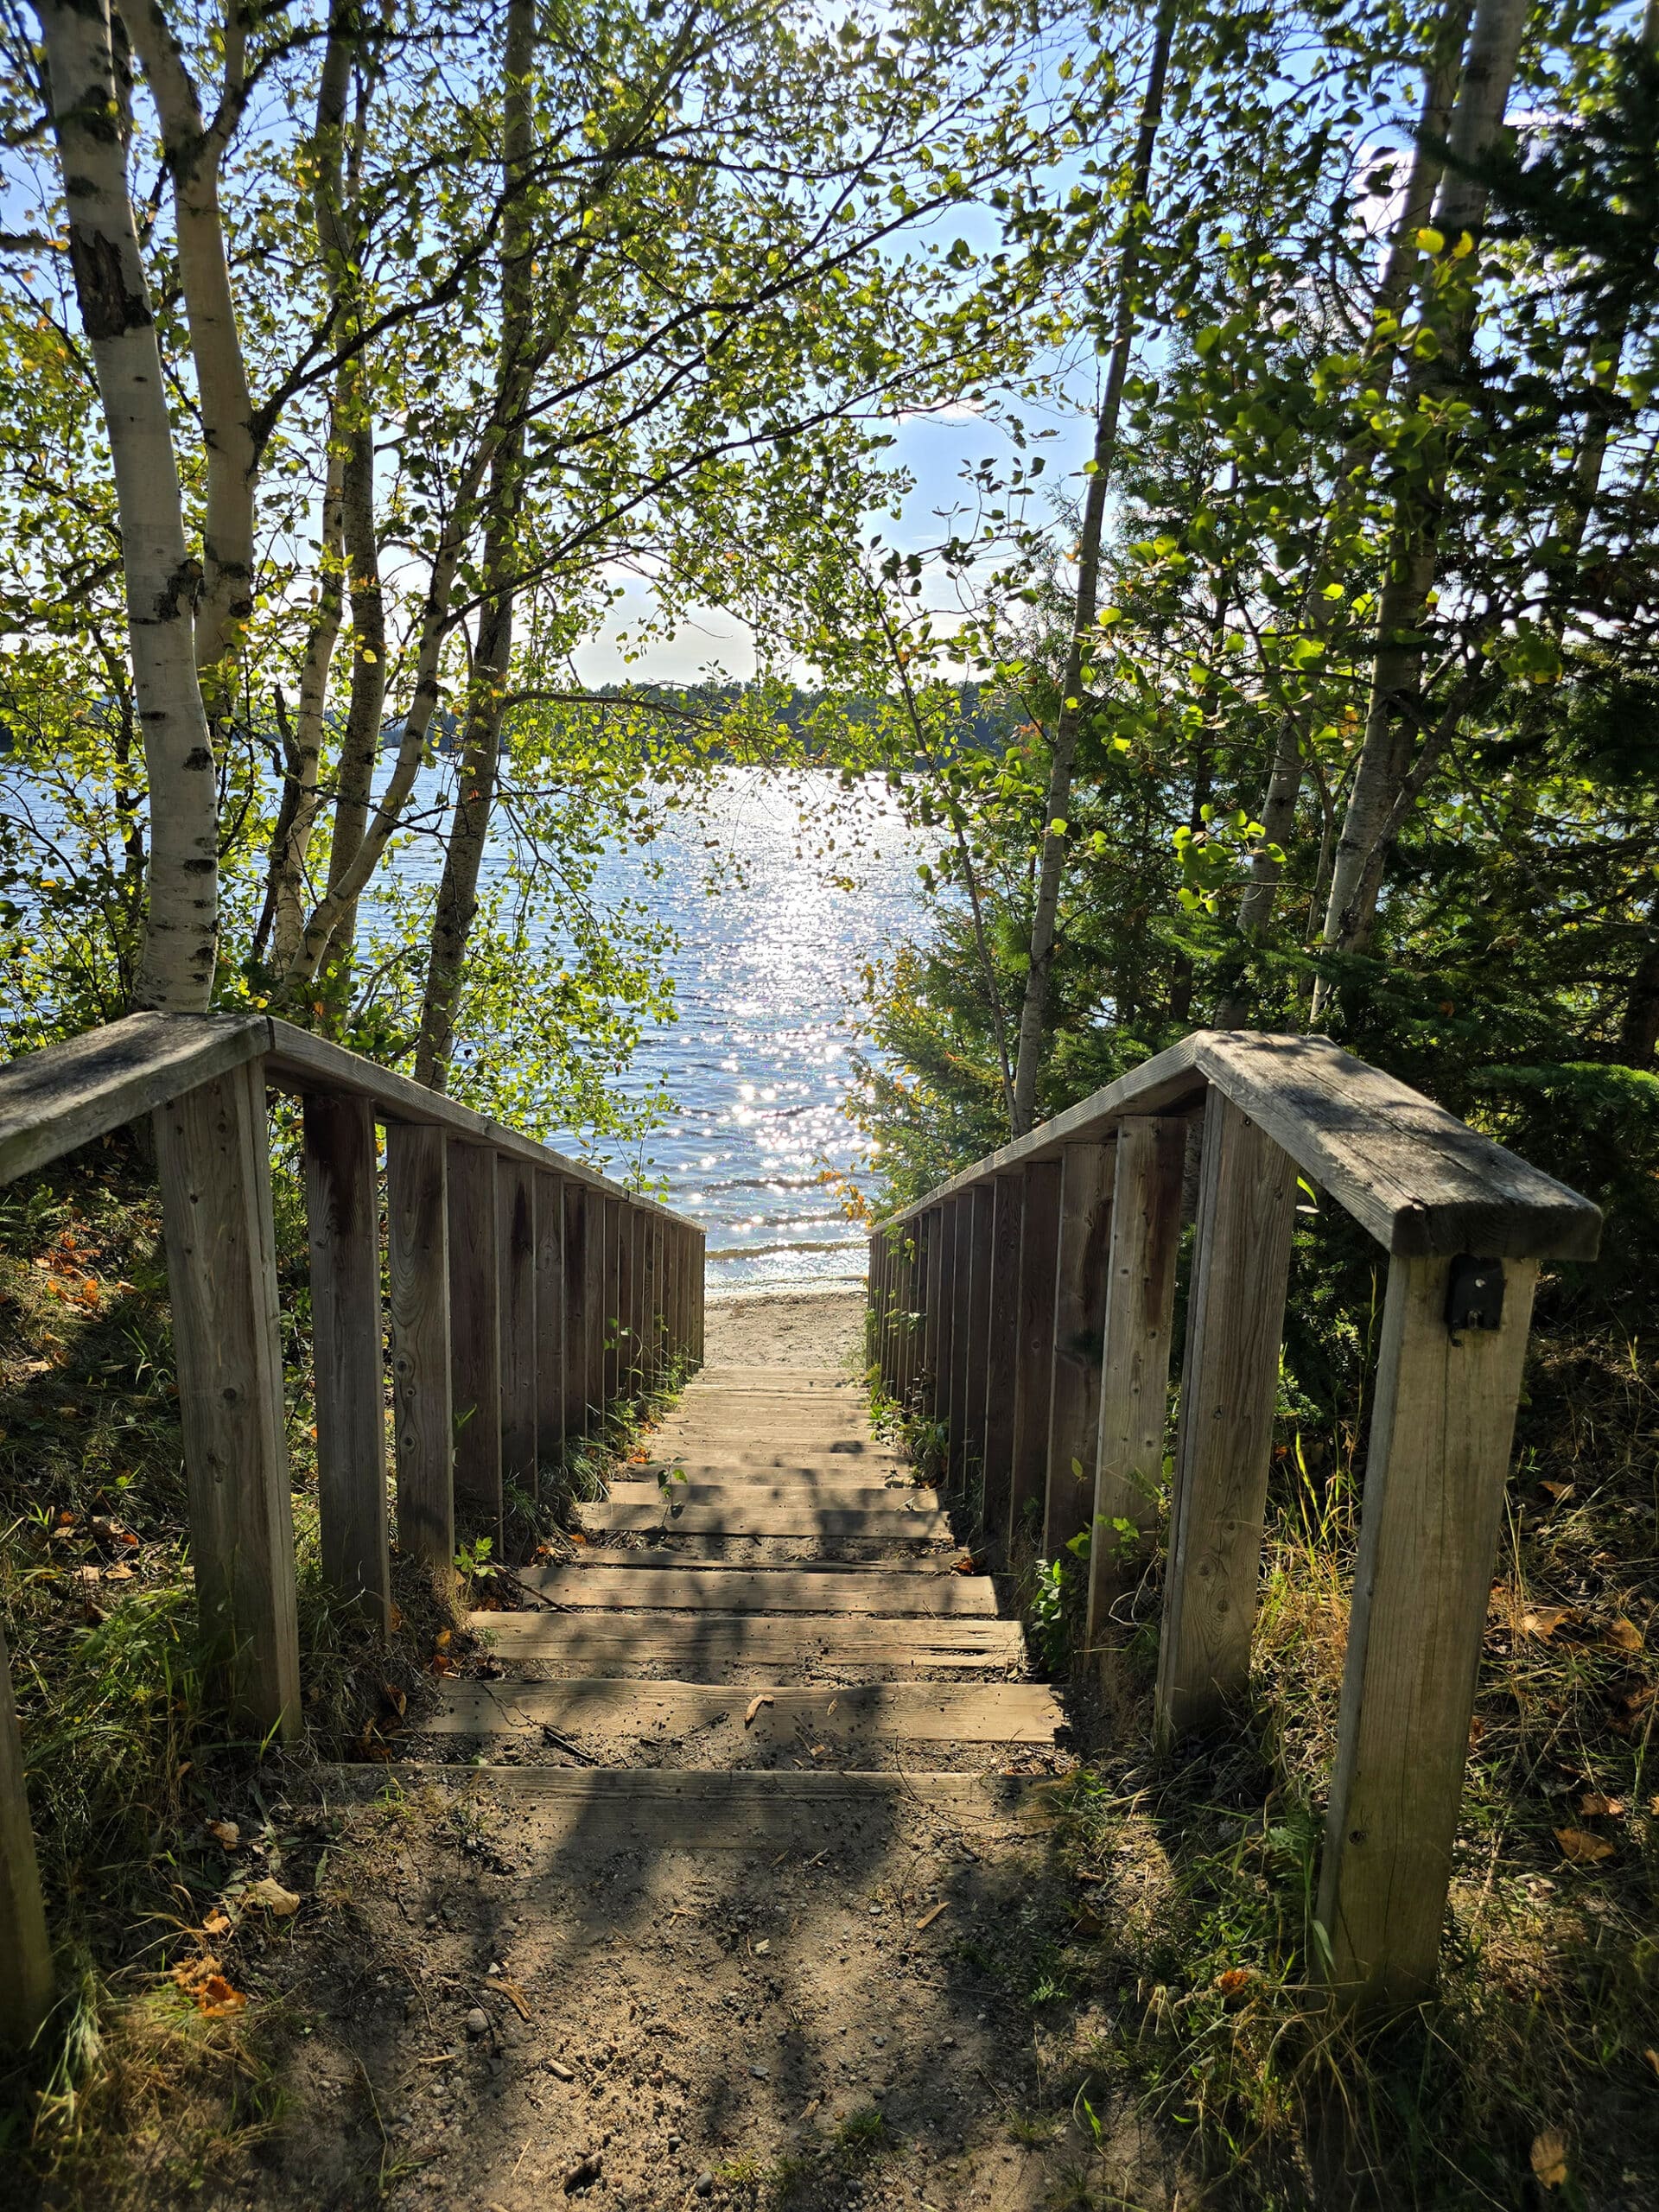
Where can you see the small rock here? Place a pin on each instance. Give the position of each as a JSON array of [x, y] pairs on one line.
[[703, 2185], [478, 2022], [673, 2142], [760, 2073]]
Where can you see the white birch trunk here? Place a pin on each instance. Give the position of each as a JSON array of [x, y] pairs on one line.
[[176, 971]]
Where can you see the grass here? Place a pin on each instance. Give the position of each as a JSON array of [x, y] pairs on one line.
[[132, 2087]]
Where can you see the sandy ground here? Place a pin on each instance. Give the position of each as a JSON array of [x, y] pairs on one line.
[[786, 1329]]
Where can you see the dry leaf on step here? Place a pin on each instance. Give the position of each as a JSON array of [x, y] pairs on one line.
[[1549, 2157], [1543, 1620], [1583, 1850], [1593, 1803], [272, 1895], [755, 1704], [1624, 1635], [225, 1832]]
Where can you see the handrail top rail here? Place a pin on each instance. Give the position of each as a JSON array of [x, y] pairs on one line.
[[1411, 1173], [54, 1101]]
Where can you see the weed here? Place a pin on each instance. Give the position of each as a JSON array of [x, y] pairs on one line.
[[863, 2133]]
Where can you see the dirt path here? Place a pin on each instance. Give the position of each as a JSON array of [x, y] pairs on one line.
[[670, 1944]]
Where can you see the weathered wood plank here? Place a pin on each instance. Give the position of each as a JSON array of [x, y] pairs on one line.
[[745, 1510], [866, 1713], [1442, 1432], [707, 1646], [1413, 1175], [611, 1369], [1145, 1245], [1034, 1366], [1229, 1390], [343, 1231], [515, 1258], [1001, 1359], [72, 1093], [968, 1381], [741, 1589], [25, 1946], [933, 1294], [581, 1286], [417, 1277], [1086, 1173], [550, 1298], [474, 1323], [213, 1155]]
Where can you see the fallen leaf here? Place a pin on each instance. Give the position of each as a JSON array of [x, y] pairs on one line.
[[118, 1574], [1557, 1491], [755, 1704], [1652, 2057], [1544, 1620], [1583, 1850], [203, 1980], [516, 1995], [1593, 1803], [440, 1641], [217, 1922], [395, 1698], [275, 1899], [1623, 1636], [1234, 1982], [225, 1832], [1549, 2157], [397, 1618], [931, 1915], [576, 1535]]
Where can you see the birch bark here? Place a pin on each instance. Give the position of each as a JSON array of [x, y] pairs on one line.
[[176, 972]]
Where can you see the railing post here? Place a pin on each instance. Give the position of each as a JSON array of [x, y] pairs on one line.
[[1230, 1388], [616, 1215], [1079, 1321], [1034, 1368], [933, 1309], [657, 1275], [700, 1266], [627, 1301], [549, 1316], [1145, 1244], [1442, 1426], [343, 1231], [213, 1154], [515, 1254], [1002, 1359], [25, 1946], [886, 1332], [417, 1273], [476, 1323], [973, 1329], [944, 1350]]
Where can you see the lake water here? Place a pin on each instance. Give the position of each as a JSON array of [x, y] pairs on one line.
[[757, 1062]]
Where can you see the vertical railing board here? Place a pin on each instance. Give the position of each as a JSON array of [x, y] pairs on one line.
[[1034, 1366], [658, 1296], [968, 1389], [582, 1278], [615, 1217], [25, 1944], [700, 1265], [1079, 1324], [515, 1256], [1002, 1356], [551, 1300], [1230, 1387], [1145, 1243], [932, 1311], [887, 1332], [417, 1275], [627, 1266], [213, 1159], [343, 1234], [1442, 1426], [474, 1325], [944, 1345]]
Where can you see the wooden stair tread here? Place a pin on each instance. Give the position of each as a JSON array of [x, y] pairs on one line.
[[690, 1515], [692, 1646], [750, 1590], [932, 1712], [750, 1495], [657, 1559]]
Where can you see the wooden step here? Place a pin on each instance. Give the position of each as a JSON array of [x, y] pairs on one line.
[[700, 1808], [851, 1453], [655, 1559], [706, 1647], [918, 1712], [773, 1381], [763, 1589], [729, 1516], [753, 1494], [823, 1470]]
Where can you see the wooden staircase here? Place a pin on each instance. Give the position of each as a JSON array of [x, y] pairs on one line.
[[766, 1620]]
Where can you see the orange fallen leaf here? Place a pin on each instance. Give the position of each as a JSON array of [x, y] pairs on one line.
[[440, 1641], [1557, 1491], [272, 1895], [1235, 1981], [203, 1981], [1623, 1636], [217, 1922], [1543, 1621], [1593, 1802], [225, 1832], [1652, 2057], [1549, 2157], [1583, 1850], [397, 1618]]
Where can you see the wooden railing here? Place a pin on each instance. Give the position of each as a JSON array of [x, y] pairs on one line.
[[1027, 1306], [527, 1294]]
